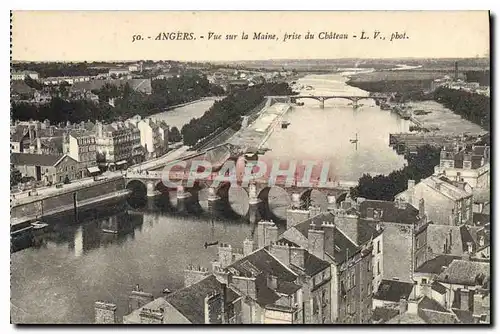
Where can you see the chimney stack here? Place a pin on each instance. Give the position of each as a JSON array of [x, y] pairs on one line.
[[281, 251], [105, 313], [316, 242]]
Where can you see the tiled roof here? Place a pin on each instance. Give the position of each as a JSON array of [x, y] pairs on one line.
[[439, 235], [407, 318], [390, 212], [427, 303], [435, 265], [34, 159], [435, 317], [313, 264], [340, 248], [480, 219], [438, 287], [190, 301], [465, 272], [287, 288], [18, 135], [481, 195], [390, 290], [261, 262], [465, 317], [451, 191], [383, 314]]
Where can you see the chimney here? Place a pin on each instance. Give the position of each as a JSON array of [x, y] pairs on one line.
[[272, 282], [297, 256], [403, 305], [369, 213], [469, 247], [411, 184], [105, 313], [214, 307], [151, 316], [329, 230], [412, 306], [138, 299], [316, 242], [247, 246], [438, 185], [314, 211], [194, 274], [271, 233], [421, 208], [267, 233], [464, 300], [281, 251], [481, 241], [99, 128], [38, 145], [245, 284]]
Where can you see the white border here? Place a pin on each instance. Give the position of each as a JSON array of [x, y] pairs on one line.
[[193, 5]]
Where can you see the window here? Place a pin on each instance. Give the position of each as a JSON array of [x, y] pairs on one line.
[[378, 268], [424, 280], [378, 246]]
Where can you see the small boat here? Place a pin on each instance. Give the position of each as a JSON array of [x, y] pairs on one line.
[[285, 124], [207, 244], [38, 225], [300, 104], [354, 141], [166, 290]]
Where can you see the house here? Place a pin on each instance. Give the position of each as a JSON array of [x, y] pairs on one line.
[[118, 144], [21, 75], [118, 72], [467, 285], [351, 261], [50, 169], [81, 146], [447, 203], [404, 240], [154, 137], [390, 293]]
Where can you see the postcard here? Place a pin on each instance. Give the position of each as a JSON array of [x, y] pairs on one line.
[[250, 167]]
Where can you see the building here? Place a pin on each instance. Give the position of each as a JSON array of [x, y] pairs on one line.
[[135, 67], [81, 146], [390, 293], [404, 240], [118, 144], [49, 169], [154, 137], [118, 71], [350, 255], [447, 202], [470, 164], [278, 284], [23, 74]]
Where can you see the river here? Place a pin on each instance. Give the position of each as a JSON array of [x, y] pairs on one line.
[[59, 279]]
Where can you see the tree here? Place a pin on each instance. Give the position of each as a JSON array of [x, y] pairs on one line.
[[174, 135], [15, 176], [386, 187]]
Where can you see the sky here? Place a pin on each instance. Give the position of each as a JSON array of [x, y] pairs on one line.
[[109, 35]]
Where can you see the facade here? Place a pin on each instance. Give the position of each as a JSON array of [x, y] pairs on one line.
[[49, 169], [350, 257], [81, 146], [118, 144], [23, 74], [118, 71], [154, 137], [467, 164], [404, 240], [446, 201]]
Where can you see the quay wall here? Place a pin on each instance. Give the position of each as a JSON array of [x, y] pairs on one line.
[[63, 201]]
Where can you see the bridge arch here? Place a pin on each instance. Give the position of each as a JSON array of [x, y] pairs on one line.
[[275, 201], [313, 197]]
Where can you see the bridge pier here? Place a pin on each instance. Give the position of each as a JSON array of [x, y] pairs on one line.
[[150, 189], [254, 205], [182, 198], [322, 103], [212, 199]]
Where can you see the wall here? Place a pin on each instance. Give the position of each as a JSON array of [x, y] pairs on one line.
[[41, 207], [397, 251], [377, 257], [437, 206]]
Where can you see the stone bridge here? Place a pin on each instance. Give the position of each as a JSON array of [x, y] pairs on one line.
[[322, 98], [184, 188]]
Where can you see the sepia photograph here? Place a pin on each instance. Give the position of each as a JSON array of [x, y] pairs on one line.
[[246, 167]]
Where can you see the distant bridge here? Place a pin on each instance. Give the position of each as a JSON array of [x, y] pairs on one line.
[[322, 98]]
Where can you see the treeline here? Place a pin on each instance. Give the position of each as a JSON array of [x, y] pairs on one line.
[[483, 77], [227, 112], [388, 86], [473, 107], [127, 102], [386, 187], [59, 69]]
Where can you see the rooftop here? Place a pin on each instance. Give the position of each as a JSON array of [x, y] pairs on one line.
[[393, 291], [390, 212], [34, 159], [465, 273], [434, 266]]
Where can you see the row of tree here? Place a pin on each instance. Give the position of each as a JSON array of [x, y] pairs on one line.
[[59, 69], [471, 106], [228, 111], [127, 102], [385, 187]]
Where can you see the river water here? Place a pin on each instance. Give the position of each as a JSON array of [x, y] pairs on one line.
[[59, 279]]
